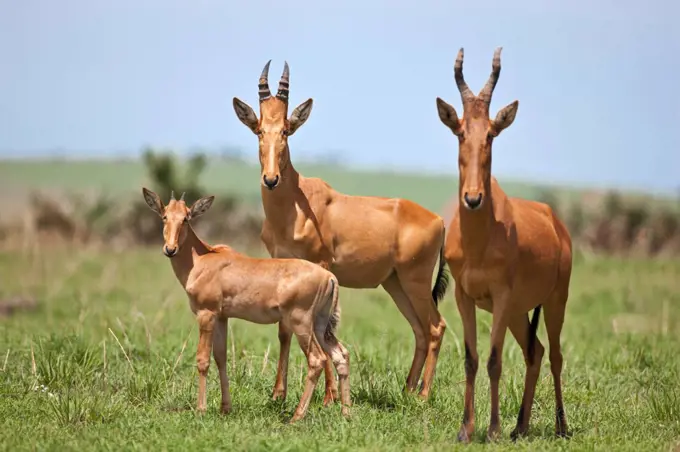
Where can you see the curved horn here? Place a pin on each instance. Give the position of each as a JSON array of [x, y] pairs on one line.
[[172, 195], [284, 83], [465, 93], [487, 91], [263, 84], [181, 198]]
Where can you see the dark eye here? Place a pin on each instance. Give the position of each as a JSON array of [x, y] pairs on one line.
[[186, 219], [285, 132], [165, 218]]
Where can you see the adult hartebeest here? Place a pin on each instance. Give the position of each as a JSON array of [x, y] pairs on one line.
[[506, 255], [222, 283], [364, 241]]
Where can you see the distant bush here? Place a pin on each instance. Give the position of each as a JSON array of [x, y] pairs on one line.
[[74, 218]]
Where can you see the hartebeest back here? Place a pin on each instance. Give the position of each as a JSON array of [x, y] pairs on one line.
[[222, 283], [364, 241], [507, 256]]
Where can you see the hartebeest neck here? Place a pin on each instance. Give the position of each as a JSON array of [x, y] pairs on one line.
[[475, 225], [276, 201], [183, 262]]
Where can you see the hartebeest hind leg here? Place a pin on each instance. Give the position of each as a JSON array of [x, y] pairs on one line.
[[337, 354], [532, 350], [420, 295], [206, 324], [220, 356], [285, 336], [554, 319], [393, 287], [316, 361], [331, 384], [281, 384]]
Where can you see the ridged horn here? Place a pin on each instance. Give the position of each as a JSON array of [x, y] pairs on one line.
[[466, 94], [263, 84], [486, 92], [181, 198], [172, 195], [284, 83]]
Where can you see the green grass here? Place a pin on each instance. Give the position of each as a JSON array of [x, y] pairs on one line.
[[621, 378], [240, 179]]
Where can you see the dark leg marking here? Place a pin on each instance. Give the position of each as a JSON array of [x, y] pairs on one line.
[[470, 364], [492, 364]]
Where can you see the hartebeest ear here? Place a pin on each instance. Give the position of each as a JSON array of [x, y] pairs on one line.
[[504, 118], [201, 206], [153, 201], [245, 114], [448, 115], [300, 115]]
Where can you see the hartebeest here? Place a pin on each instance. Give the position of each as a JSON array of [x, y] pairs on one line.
[[506, 255], [223, 283], [364, 241]]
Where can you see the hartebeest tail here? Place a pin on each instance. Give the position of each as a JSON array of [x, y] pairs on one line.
[[442, 282], [334, 319], [533, 333]]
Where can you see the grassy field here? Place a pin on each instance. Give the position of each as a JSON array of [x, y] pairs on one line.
[[107, 363]]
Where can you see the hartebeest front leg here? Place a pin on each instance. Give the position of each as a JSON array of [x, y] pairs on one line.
[[468, 314], [494, 366], [220, 356], [206, 324]]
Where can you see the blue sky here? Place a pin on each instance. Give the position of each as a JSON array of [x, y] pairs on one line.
[[596, 81]]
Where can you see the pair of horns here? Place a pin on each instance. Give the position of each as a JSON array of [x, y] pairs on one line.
[[284, 83], [172, 196], [486, 92]]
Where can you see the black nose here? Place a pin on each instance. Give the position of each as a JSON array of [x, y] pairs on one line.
[[270, 183], [473, 203], [169, 251]]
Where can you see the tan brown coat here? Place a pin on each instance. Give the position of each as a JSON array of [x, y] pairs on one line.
[[222, 283], [506, 255], [365, 241]]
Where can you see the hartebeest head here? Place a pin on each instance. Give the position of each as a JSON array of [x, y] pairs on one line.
[[475, 132], [273, 127], [176, 215]]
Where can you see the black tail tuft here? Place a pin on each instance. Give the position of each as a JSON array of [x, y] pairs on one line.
[[533, 328], [442, 282], [334, 319]]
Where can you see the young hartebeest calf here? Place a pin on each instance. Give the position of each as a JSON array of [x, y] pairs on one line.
[[506, 255], [364, 241], [222, 283]]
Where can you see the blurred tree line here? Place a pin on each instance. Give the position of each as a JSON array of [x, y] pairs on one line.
[[75, 218], [605, 223]]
